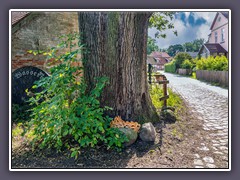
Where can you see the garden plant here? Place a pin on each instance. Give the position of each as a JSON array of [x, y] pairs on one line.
[[65, 114]]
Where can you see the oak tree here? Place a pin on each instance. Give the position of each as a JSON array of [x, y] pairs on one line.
[[117, 45]]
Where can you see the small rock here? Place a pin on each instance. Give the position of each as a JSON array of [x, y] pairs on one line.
[[223, 148], [208, 160], [204, 148], [131, 135], [147, 132], [210, 165], [198, 162], [225, 158], [217, 152], [198, 166], [226, 152], [197, 156]]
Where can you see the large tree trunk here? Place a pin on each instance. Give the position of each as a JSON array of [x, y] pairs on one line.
[[117, 42]]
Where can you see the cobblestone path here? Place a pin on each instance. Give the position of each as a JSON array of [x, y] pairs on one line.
[[210, 103]]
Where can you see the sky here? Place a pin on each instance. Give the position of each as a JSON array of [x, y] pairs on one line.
[[189, 26]]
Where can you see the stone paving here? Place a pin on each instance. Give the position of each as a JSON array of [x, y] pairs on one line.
[[210, 103]]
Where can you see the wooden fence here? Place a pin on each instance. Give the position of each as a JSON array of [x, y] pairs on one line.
[[220, 77]]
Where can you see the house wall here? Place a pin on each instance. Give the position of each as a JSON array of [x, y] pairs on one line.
[[39, 33], [218, 26]]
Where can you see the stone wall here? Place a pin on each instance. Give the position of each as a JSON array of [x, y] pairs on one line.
[[39, 31]]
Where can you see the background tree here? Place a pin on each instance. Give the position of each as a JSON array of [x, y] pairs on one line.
[[193, 46], [174, 49], [198, 44], [151, 45], [188, 47], [117, 44], [163, 50]]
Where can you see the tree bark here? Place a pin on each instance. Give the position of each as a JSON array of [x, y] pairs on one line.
[[117, 45]]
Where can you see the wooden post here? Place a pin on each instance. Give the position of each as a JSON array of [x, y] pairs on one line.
[[150, 73], [165, 94]]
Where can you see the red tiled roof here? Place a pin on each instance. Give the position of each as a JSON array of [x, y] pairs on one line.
[[164, 54], [160, 54], [17, 16], [155, 54], [162, 60]]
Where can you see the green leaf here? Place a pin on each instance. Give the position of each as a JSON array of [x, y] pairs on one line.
[[59, 142], [74, 154], [65, 133], [76, 137], [101, 129]]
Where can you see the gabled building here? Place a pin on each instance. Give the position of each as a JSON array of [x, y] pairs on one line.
[[35, 31], [217, 43], [193, 54], [161, 58], [38, 31]]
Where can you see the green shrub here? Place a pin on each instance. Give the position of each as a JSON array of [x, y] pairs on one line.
[[187, 64], [170, 67], [20, 113], [180, 57], [65, 114], [219, 63]]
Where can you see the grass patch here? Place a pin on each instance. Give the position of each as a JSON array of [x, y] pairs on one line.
[[17, 130], [194, 76], [18, 136], [174, 100]]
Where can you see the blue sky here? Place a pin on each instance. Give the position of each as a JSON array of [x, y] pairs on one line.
[[189, 25]]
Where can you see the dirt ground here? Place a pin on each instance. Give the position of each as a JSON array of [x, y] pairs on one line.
[[173, 148]]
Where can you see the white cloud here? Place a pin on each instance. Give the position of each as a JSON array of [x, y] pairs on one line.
[[203, 31], [187, 14], [186, 32], [208, 16]]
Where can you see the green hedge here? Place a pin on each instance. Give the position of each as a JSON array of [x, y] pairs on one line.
[[180, 58], [170, 67], [187, 64], [219, 63]]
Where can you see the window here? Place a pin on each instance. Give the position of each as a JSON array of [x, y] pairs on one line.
[[223, 34], [219, 19], [216, 37]]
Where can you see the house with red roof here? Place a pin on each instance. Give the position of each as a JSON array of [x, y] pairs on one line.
[[161, 59], [217, 43]]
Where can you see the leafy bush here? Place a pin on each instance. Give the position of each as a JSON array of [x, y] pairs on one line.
[[187, 64], [180, 57], [170, 67], [219, 63], [20, 112], [65, 114]]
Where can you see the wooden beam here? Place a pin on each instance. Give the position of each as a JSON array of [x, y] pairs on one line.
[[163, 82], [164, 98]]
